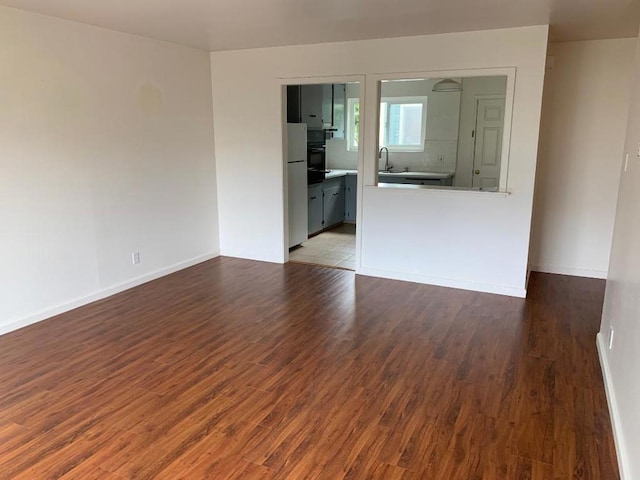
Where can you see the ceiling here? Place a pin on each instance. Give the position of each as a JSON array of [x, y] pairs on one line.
[[236, 24]]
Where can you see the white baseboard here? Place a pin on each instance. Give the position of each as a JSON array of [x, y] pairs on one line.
[[616, 424], [574, 272], [100, 294], [444, 282]]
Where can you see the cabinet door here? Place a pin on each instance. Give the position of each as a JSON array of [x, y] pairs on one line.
[[382, 178], [315, 208], [339, 109], [311, 105], [327, 105], [350, 200], [293, 104], [421, 181], [333, 205]]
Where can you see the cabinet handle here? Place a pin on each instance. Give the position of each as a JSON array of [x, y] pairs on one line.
[[335, 194], [313, 198]]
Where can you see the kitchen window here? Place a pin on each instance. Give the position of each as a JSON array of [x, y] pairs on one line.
[[403, 123]]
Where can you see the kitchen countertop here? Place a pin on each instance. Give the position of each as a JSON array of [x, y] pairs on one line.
[[334, 173]]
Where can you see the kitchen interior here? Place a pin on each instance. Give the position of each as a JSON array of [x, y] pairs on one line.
[[434, 133], [322, 202]]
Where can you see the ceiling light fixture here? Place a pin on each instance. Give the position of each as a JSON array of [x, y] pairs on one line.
[[447, 85]]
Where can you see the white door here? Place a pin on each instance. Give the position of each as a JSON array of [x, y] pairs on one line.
[[488, 145]]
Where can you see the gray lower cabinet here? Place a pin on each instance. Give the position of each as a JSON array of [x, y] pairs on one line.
[[414, 180], [326, 204], [315, 208], [333, 205], [350, 198]]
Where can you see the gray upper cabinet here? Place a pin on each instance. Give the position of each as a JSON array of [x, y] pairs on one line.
[[319, 106], [333, 108], [311, 105], [339, 109], [327, 105]]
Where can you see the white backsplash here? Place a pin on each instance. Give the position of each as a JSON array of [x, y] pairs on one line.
[[438, 156], [338, 157]]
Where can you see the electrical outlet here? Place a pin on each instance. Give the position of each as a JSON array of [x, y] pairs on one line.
[[626, 162], [610, 338], [135, 258]]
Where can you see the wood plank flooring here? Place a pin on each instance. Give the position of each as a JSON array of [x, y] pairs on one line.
[[236, 369]]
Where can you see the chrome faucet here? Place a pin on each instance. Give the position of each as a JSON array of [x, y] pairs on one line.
[[386, 160]]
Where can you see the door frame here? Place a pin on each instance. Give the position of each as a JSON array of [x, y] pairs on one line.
[[487, 96], [283, 83]]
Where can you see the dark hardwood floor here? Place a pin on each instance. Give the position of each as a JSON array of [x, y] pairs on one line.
[[236, 369]]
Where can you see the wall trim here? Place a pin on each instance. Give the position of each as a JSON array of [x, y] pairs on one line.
[[444, 282], [574, 272], [49, 312], [616, 422]]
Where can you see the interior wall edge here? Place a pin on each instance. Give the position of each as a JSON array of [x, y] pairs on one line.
[[507, 290], [54, 310], [574, 272], [616, 422]]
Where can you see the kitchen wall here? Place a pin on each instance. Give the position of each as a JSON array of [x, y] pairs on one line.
[[440, 145], [107, 149], [412, 234], [622, 301], [443, 113], [585, 107]]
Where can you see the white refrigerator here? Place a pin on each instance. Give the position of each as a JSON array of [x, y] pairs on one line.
[[297, 181]]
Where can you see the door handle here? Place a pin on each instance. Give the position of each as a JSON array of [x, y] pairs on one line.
[[477, 172]]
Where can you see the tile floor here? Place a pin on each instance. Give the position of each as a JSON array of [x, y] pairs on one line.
[[333, 248]]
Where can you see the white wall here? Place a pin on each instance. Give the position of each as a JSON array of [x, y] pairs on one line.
[[473, 240], [622, 303], [584, 115], [106, 148]]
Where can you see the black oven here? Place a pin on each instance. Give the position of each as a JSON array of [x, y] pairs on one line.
[[316, 164], [316, 156]]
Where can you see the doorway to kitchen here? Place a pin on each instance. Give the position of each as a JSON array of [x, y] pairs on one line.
[[321, 173]]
